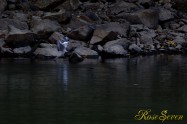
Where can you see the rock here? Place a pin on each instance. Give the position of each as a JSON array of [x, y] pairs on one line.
[[3, 4], [2, 43], [46, 45], [61, 17], [75, 58], [47, 4], [165, 15], [117, 50], [74, 4], [146, 37], [122, 42], [43, 53], [83, 33], [22, 50], [17, 37], [86, 52], [148, 17], [179, 40], [108, 32], [56, 36], [146, 3], [135, 49], [73, 44], [183, 29], [4, 23], [44, 28]]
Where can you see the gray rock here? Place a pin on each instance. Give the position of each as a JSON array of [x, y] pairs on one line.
[[46, 45], [44, 28], [179, 40], [73, 44], [86, 52], [4, 23], [146, 37], [108, 32], [83, 33], [116, 50], [135, 48], [19, 37], [61, 17], [148, 17], [3, 4], [22, 50], [165, 15], [183, 29], [48, 53]]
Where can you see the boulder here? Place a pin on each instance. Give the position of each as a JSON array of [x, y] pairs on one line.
[[4, 23], [47, 53], [22, 50], [56, 36], [148, 17], [47, 45], [61, 17], [135, 48], [44, 28], [73, 44], [165, 15], [3, 4], [146, 3], [86, 52], [17, 37], [108, 32], [75, 58], [83, 33], [183, 29], [117, 50]]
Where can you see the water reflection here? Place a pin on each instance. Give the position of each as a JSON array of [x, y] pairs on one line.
[[91, 92]]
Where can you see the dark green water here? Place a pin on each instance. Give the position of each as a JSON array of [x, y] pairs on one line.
[[92, 92]]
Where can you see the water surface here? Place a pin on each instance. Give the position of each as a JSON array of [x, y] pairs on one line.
[[92, 92]]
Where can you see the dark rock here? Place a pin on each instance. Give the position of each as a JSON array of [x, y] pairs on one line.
[[3, 4], [56, 36], [146, 3], [75, 58], [86, 52], [17, 37], [44, 28]]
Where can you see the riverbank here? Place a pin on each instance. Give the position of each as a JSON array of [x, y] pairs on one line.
[[107, 29]]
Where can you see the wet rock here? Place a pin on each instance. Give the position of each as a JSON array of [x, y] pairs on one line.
[[61, 17], [44, 28], [47, 53], [83, 33], [17, 37], [148, 17], [75, 58], [3, 4], [165, 15], [108, 32], [135, 49], [22, 50], [56, 36], [86, 52]]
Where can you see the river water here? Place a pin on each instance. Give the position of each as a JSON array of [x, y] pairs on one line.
[[92, 92]]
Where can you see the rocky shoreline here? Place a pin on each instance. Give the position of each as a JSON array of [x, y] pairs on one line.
[[106, 28]]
